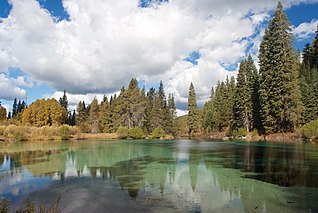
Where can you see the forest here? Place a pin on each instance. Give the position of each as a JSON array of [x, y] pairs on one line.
[[280, 97]]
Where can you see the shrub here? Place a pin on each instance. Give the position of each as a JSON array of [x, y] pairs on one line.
[[136, 133], [122, 132], [64, 132], [74, 130], [19, 135], [158, 133], [2, 130], [310, 130], [240, 132]]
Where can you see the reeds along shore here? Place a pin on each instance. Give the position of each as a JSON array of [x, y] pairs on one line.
[[13, 133]]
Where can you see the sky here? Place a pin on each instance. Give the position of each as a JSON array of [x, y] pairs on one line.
[[92, 48]]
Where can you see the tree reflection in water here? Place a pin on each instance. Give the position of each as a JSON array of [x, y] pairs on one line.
[[202, 175]]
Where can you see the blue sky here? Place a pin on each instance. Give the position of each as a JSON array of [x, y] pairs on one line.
[[95, 47]]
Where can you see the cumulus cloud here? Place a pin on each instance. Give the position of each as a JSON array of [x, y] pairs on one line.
[[105, 43], [305, 30], [73, 99], [9, 89]]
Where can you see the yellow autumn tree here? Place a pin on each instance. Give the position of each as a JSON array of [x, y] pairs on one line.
[[44, 113], [3, 113]]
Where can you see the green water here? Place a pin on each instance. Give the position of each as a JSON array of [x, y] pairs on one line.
[[161, 176]]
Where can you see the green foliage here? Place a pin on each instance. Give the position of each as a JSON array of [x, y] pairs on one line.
[[194, 114], [123, 132], [63, 101], [245, 89], [240, 132], [310, 130], [64, 132], [132, 108], [136, 133], [218, 112], [309, 81], [279, 87], [93, 116], [82, 117], [158, 133]]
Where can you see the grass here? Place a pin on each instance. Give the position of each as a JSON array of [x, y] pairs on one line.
[[14, 133]]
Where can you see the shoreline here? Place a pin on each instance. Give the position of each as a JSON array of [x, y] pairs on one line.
[[13, 133]]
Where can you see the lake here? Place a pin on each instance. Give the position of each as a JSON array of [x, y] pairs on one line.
[[161, 176]]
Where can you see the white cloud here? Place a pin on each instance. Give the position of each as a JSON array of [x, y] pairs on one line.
[[305, 30], [9, 89], [74, 99], [105, 43]]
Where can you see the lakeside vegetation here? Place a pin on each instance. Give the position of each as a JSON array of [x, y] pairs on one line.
[[278, 99]]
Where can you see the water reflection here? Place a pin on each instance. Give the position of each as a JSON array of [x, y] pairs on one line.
[[183, 176]]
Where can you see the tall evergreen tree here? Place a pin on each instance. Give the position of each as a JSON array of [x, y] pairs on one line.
[[194, 119], [104, 119], [279, 89], [81, 117], [63, 101], [244, 97], [170, 116], [309, 81], [93, 117], [15, 108]]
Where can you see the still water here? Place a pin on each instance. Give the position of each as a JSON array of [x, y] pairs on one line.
[[161, 176]]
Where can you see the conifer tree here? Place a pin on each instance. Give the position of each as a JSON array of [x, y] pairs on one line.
[[104, 119], [309, 81], [170, 116], [150, 102], [194, 119], [81, 117], [115, 117], [279, 90], [93, 117], [9, 115], [63, 101], [244, 98], [14, 108]]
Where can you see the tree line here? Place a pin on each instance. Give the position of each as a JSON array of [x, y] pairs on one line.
[[131, 108], [279, 97]]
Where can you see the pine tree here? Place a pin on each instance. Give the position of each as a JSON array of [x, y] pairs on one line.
[[93, 116], [9, 115], [170, 116], [81, 117], [256, 105], [193, 112], [309, 81], [14, 108], [244, 107], [158, 111], [115, 116], [150, 102], [279, 90], [73, 119], [63, 101], [314, 51], [104, 119]]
